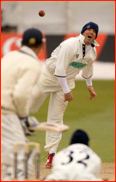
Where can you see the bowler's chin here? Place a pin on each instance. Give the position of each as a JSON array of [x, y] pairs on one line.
[[88, 43]]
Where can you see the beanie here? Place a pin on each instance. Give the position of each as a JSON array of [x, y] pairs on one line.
[[79, 136], [91, 25], [32, 36]]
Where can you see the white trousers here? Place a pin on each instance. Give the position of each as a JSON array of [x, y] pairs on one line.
[[11, 133], [56, 108]]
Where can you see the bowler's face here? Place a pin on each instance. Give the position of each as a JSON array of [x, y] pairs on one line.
[[90, 35]]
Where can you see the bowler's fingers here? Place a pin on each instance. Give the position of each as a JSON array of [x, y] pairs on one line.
[[68, 99], [92, 96]]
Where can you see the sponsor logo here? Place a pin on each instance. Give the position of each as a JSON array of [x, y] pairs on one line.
[[77, 65]]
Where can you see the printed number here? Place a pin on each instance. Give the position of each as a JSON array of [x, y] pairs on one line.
[[70, 158], [80, 161]]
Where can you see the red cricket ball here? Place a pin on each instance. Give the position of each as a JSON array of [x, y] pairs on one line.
[[41, 13]]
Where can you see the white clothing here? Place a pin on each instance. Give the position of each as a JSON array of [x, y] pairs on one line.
[[89, 81], [66, 61], [63, 83], [77, 162], [20, 70], [11, 133], [56, 108], [87, 48]]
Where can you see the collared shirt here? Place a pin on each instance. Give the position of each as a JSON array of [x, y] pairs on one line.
[[20, 71], [28, 51], [67, 59]]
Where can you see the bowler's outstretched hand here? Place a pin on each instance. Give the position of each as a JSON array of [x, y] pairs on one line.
[[92, 92]]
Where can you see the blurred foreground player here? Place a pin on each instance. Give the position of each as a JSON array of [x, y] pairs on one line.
[[20, 70], [77, 162]]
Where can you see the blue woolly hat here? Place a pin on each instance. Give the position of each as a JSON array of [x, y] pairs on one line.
[[90, 25], [79, 136]]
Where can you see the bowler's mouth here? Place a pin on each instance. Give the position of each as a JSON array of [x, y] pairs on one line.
[[89, 37]]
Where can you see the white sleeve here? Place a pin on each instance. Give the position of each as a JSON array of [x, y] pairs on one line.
[[64, 58], [64, 84], [89, 81]]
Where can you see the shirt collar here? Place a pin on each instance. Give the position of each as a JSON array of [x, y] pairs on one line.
[[82, 37], [28, 51]]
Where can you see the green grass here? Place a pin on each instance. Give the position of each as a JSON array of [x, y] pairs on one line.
[[96, 116]]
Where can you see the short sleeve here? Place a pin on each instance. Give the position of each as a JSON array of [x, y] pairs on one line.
[[64, 59], [87, 71]]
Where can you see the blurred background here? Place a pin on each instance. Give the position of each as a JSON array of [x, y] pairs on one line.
[[61, 17], [62, 20]]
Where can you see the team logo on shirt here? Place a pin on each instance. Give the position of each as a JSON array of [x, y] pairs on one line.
[[77, 65]]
